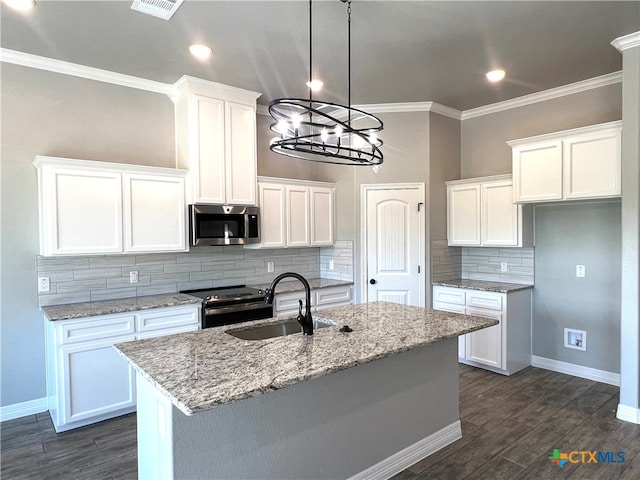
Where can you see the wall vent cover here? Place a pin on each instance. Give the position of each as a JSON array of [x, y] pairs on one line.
[[158, 8]]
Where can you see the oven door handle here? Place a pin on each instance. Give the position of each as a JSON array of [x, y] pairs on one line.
[[236, 308]]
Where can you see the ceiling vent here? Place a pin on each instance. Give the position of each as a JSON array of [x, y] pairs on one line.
[[158, 8]]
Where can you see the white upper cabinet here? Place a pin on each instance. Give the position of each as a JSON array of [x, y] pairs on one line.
[[295, 213], [463, 213], [154, 213], [573, 164], [481, 212], [89, 207], [216, 141]]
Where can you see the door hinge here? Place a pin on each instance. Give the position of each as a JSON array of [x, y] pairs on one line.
[[420, 205], [418, 268]]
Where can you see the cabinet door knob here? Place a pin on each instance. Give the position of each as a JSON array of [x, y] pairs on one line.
[[372, 281]]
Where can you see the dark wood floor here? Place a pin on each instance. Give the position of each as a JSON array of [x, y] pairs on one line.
[[510, 427]]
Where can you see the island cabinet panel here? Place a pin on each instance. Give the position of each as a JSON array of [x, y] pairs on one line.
[[295, 213], [481, 212], [504, 348], [88, 207], [216, 141], [87, 379], [582, 163]]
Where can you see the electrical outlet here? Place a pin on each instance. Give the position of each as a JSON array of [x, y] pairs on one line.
[[133, 277], [270, 267], [581, 271], [43, 284], [504, 267], [331, 264]]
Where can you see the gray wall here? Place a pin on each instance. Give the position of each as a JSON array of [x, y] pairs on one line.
[[484, 151], [46, 113], [569, 235]]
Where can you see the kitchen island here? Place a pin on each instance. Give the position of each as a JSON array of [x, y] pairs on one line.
[[362, 404]]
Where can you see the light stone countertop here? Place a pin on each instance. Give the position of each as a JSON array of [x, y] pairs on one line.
[[484, 285], [200, 370], [107, 307]]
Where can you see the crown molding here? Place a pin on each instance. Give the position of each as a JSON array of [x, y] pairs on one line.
[[627, 41], [411, 107], [577, 87], [82, 71]]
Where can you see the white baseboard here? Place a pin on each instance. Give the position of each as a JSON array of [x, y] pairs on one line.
[[628, 414], [403, 459], [576, 370], [23, 409]]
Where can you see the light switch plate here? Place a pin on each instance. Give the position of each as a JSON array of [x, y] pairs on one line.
[[133, 277]]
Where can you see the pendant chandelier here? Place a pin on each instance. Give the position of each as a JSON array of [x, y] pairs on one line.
[[310, 129]]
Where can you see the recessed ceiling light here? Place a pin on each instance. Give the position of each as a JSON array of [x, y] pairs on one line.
[[20, 5], [315, 84], [201, 52], [495, 75]]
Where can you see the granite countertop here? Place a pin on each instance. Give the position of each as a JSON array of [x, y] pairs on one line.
[[200, 370], [484, 285], [293, 285], [106, 307]]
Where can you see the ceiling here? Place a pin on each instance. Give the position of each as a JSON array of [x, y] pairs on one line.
[[402, 51]]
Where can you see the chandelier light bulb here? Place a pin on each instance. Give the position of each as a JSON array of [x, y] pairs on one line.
[[315, 85], [373, 138], [283, 127], [324, 135], [338, 131], [296, 120]]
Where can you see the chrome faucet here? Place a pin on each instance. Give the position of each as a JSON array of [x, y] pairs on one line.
[[304, 320]]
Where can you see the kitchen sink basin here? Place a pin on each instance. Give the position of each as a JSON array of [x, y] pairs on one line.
[[280, 329]]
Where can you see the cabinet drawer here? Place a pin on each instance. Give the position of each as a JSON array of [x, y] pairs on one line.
[[485, 300], [449, 307], [97, 328], [288, 302], [333, 296], [158, 319], [453, 296]]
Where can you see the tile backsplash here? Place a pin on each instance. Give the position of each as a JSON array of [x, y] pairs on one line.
[[484, 264], [446, 261], [106, 277]]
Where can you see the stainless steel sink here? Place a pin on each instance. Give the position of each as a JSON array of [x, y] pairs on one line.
[[279, 329]]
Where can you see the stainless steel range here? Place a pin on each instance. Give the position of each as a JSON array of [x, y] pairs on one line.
[[234, 304]]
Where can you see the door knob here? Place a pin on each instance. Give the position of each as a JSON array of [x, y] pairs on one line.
[[372, 281]]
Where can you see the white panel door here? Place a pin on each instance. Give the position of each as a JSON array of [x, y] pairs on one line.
[[89, 202], [321, 217], [273, 220], [241, 154], [297, 215], [155, 213], [499, 214], [537, 172], [392, 246], [592, 165], [208, 146]]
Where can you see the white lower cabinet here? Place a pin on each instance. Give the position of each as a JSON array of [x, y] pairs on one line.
[[504, 348], [321, 298], [87, 379]]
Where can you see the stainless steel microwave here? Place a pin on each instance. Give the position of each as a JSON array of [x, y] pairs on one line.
[[223, 225]]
